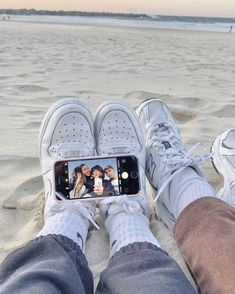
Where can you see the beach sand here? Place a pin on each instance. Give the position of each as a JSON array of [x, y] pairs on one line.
[[192, 71]]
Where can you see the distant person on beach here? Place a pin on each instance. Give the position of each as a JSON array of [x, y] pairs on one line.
[[203, 225], [231, 28], [4, 18]]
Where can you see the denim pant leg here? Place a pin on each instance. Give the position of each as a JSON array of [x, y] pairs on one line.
[[143, 268], [47, 264]]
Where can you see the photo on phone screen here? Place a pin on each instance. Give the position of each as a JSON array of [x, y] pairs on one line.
[[97, 177]]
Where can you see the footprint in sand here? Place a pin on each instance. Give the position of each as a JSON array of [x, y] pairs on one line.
[[30, 88], [24, 75], [183, 114], [32, 125], [191, 102], [33, 112], [141, 95], [226, 112], [30, 189]]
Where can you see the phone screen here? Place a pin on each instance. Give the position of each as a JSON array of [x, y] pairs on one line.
[[97, 177]]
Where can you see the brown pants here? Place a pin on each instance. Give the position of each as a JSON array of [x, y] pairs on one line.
[[205, 235]]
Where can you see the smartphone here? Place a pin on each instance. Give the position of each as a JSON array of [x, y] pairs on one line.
[[97, 177], [98, 182]]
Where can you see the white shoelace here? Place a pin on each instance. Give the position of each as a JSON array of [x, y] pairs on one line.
[[178, 158], [124, 204], [76, 206]]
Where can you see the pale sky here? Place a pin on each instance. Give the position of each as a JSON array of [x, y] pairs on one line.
[[223, 8]]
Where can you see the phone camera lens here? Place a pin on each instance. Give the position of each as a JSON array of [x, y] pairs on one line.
[[134, 174], [125, 175]]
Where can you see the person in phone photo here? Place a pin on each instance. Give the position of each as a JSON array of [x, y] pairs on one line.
[[88, 179], [79, 188], [102, 187], [113, 178]]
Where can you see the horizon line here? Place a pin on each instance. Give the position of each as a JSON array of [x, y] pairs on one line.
[[112, 13]]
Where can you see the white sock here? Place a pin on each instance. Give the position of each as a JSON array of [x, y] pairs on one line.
[[185, 188], [68, 224], [125, 228]]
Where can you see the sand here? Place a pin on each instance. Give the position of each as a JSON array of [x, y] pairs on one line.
[[193, 72]]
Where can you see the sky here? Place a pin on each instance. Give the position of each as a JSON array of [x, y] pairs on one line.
[[222, 8]]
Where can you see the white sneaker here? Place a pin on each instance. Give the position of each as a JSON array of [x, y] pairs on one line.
[[66, 132], [223, 158], [118, 131], [166, 155]]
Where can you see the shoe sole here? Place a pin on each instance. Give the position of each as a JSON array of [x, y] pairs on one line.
[[223, 169], [60, 104], [164, 215]]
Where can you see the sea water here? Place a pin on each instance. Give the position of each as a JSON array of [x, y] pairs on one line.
[[217, 24]]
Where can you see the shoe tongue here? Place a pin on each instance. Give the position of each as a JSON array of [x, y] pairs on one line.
[[163, 128]]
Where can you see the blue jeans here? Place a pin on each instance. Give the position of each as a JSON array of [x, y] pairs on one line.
[[55, 264]]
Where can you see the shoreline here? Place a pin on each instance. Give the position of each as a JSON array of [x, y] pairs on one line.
[[115, 22]]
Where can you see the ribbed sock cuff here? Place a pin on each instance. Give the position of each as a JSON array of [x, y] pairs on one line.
[[74, 227], [125, 228]]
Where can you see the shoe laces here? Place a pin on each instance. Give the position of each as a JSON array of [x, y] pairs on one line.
[[74, 206], [120, 204], [177, 157]]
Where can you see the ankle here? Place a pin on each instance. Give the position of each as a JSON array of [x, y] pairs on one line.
[[125, 228], [185, 188], [72, 226]]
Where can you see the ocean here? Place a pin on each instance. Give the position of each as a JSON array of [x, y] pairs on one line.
[[215, 24]]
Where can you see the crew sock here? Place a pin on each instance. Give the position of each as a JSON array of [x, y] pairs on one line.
[[73, 226], [127, 228], [185, 188]]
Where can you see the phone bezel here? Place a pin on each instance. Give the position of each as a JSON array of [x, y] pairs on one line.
[[99, 158]]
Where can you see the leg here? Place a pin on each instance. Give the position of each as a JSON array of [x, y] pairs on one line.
[[205, 225], [48, 264], [205, 235], [55, 260], [212, 221], [137, 263], [143, 268]]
